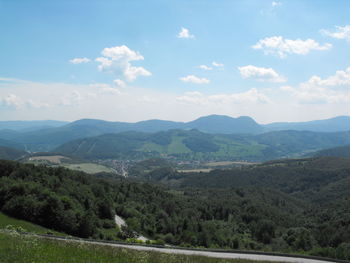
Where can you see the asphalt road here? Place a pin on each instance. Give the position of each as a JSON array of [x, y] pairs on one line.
[[228, 255]]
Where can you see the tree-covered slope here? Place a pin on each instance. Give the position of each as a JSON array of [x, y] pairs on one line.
[[196, 145], [7, 153], [336, 124], [46, 139], [342, 151], [249, 210]]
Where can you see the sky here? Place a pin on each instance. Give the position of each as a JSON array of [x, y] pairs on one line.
[[132, 60]]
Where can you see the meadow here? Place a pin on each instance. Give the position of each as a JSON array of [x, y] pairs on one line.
[[25, 249]]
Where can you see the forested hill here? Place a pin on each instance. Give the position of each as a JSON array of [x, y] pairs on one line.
[[196, 145], [245, 215], [342, 151], [7, 153], [47, 139], [316, 179]]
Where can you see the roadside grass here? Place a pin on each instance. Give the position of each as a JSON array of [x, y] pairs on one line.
[[25, 249], [6, 221]]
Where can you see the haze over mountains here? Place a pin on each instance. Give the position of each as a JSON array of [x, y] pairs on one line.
[[48, 135], [211, 124]]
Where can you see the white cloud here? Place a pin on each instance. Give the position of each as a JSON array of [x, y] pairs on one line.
[[16, 102], [250, 96], [105, 65], [281, 47], [261, 74], [131, 73], [341, 32], [109, 90], [119, 83], [332, 90], [275, 3], [317, 95], [264, 105], [205, 67], [13, 100], [195, 80], [184, 33], [217, 64], [79, 60], [117, 60], [340, 78], [103, 88]]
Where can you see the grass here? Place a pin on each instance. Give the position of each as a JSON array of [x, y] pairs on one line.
[[27, 226], [59, 160], [90, 168], [25, 249]]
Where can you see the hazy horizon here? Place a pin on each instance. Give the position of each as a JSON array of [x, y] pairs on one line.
[[128, 61], [176, 120]]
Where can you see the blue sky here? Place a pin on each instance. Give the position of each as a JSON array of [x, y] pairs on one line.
[[135, 60]]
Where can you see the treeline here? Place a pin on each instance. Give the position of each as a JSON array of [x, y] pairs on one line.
[[235, 217], [314, 193]]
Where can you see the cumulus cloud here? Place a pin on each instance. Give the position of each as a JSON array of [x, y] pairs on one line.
[[184, 33], [13, 100], [250, 96], [217, 64], [261, 74], [195, 80], [117, 60], [340, 78], [205, 67], [79, 60], [340, 32], [16, 102], [282, 47], [333, 89]]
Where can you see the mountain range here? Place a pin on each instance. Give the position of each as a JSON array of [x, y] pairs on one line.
[[48, 135], [196, 145]]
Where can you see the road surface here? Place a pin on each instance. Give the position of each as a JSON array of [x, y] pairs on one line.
[[227, 255]]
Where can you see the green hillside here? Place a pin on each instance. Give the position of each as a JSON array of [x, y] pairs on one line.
[[342, 151], [7, 153], [287, 206], [46, 139], [10, 223], [196, 145]]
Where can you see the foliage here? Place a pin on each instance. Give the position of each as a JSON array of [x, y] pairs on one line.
[[276, 206]]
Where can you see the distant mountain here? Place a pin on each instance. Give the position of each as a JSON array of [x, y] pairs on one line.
[[342, 151], [196, 145], [29, 125], [7, 153], [11, 144], [340, 123], [210, 124], [49, 138], [225, 125]]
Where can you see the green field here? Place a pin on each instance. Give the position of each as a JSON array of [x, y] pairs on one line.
[[24, 249], [67, 162], [90, 168]]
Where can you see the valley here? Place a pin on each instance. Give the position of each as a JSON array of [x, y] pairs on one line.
[[280, 191]]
